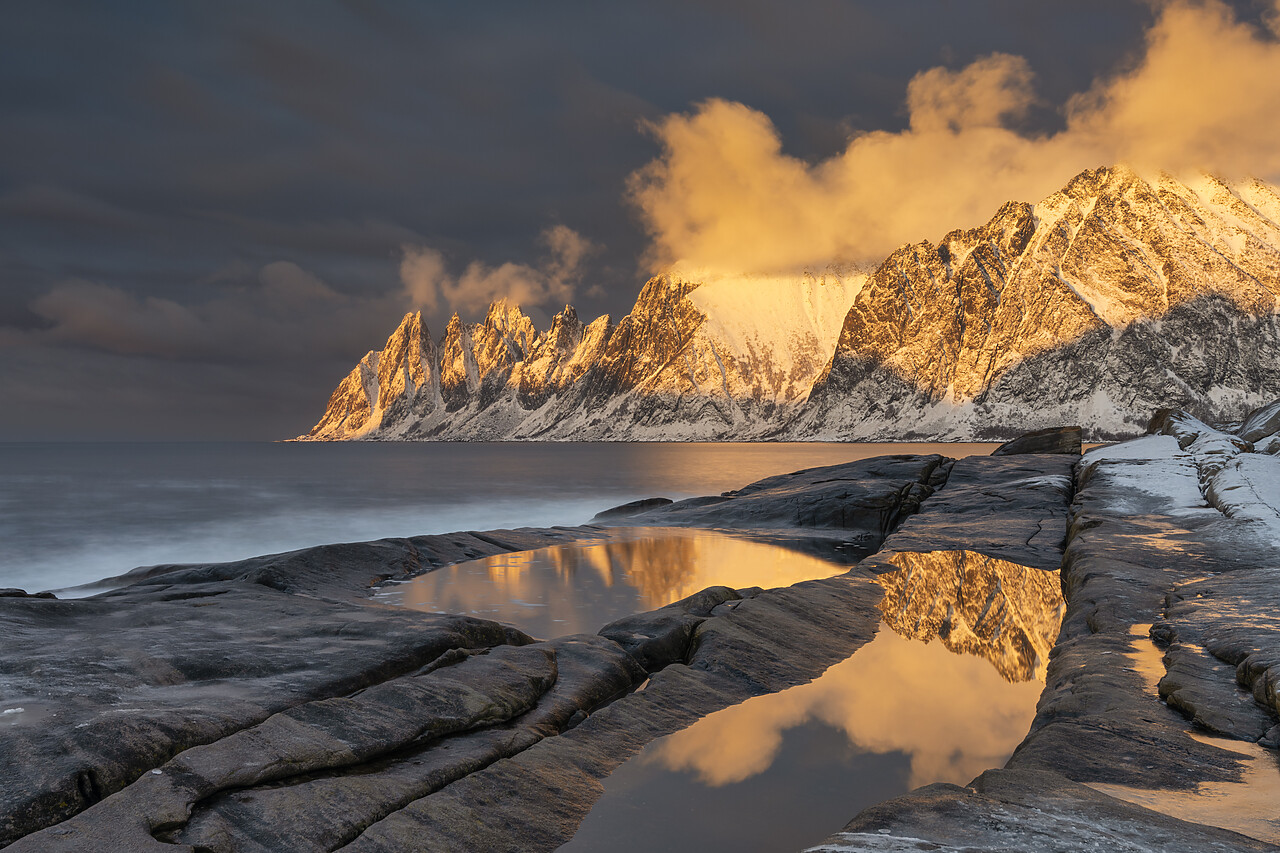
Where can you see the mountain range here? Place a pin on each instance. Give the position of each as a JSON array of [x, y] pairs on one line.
[[1114, 296]]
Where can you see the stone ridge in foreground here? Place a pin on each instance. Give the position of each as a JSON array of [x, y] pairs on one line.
[[1177, 530], [268, 704], [271, 705]]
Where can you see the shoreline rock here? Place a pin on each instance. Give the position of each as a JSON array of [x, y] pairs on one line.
[[269, 704]]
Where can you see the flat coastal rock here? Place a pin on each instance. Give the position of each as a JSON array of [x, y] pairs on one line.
[[270, 704], [1015, 811], [1173, 538], [860, 502]]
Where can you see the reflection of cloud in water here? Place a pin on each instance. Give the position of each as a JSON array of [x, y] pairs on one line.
[[954, 715]]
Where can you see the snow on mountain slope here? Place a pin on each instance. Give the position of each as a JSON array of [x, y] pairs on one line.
[[769, 324], [692, 360], [1117, 295]]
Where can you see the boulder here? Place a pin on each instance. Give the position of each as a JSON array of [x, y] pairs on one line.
[[1261, 422], [633, 508], [1053, 440]]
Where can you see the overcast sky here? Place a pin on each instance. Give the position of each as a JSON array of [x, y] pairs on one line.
[[210, 211]]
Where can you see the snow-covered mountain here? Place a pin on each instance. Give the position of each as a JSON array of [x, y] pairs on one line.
[[1107, 300], [1114, 296], [723, 359]]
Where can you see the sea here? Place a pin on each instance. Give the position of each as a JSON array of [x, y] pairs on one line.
[[72, 513]]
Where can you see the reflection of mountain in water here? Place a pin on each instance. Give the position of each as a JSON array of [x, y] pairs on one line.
[[1004, 612], [567, 589], [658, 567]]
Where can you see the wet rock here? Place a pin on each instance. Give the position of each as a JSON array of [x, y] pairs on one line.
[[313, 737], [327, 810], [1052, 440], [348, 570], [114, 685], [1009, 507], [865, 500], [267, 705], [535, 800], [1019, 810], [633, 508], [1204, 689], [661, 637], [1143, 547], [13, 592], [1139, 528], [1227, 650]]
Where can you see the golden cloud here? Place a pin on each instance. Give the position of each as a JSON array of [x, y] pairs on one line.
[[724, 198]]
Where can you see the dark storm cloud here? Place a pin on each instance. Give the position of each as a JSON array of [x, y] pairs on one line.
[[205, 208]]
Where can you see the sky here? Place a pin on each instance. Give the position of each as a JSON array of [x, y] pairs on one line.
[[210, 211]]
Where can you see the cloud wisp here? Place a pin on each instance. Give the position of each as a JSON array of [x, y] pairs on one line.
[[431, 286], [724, 197]]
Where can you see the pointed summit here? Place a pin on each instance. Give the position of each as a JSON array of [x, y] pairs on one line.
[[1118, 294], [1115, 295], [459, 378], [408, 359], [385, 386]]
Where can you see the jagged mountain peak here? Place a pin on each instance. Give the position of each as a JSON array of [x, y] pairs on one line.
[[732, 353], [942, 343], [1119, 293]]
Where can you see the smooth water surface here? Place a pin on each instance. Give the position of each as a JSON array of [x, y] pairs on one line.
[[785, 770], [74, 513], [945, 690], [573, 589]]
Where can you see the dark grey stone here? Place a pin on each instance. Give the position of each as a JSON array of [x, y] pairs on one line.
[[1016, 811], [633, 508], [1261, 422], [1011, 507], [1053, 440], [269, 704], [863, 501]]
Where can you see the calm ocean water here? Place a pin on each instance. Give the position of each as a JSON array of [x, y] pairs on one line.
[[74, 513]]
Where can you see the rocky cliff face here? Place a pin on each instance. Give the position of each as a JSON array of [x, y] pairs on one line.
[[1111, 297], [693, 360], [1115, 296]]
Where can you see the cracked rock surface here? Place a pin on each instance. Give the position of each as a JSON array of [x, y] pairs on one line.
[[270, 704], [1171, 535]]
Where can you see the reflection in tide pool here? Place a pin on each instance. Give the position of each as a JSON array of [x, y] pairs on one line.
[[979, 605], [571, 589], [785, 770], [946, 690], [1247, 806], [951, 716]]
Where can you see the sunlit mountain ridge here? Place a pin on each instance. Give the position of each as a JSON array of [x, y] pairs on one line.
[[1114, 296]]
